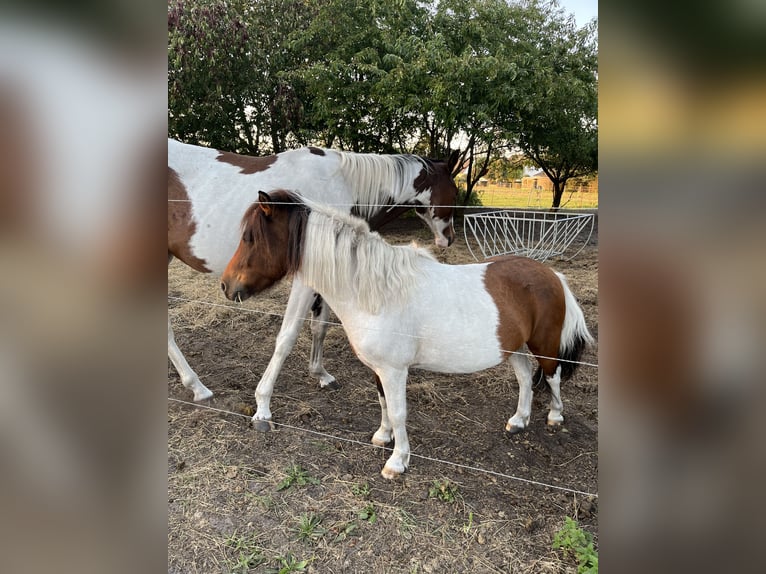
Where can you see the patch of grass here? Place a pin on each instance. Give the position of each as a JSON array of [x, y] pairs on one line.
[[345, 530], [287, 564], [248, 553], [368, 513], [444, 490], [296, 476], [309, 527], [575, 540], [265, 501], [469, 525], [407, 523], [497, 196], [362, 490]]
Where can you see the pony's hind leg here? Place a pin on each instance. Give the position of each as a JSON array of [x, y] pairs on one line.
[[523, 370], [384, 435], [189, 378], [320, 313], [555, 418]]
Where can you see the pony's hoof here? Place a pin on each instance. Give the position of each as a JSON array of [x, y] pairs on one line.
[[513, 429], [263, 426], [390, 474], [554, 424], [380, 442], [202, 394], [332, 385]]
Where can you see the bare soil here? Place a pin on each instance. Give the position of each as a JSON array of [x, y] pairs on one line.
[[244, 501]]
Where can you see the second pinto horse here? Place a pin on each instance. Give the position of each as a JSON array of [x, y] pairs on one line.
[[209, 190]]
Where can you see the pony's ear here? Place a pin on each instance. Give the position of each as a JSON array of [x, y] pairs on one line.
[[265, 201]]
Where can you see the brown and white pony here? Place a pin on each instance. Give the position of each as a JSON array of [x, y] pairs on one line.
[[401, 308], [209, 190]]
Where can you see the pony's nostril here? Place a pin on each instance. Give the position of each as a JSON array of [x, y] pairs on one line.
[[223, 286]]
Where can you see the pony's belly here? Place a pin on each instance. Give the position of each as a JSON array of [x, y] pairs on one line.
[[461, 360]]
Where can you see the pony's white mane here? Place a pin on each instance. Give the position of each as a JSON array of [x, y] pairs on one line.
[[343, 259], [377, 180]]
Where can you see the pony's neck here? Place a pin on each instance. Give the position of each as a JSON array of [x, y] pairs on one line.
[[378, 181], [343, 261]]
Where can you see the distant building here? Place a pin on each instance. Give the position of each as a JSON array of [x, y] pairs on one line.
[[539, 181]]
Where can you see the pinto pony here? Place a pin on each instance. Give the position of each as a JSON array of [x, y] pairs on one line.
[[401, 308], [209, 190]]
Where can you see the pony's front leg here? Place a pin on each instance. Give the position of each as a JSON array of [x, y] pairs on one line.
[[523, 370], [320, 313], [298, 306], [394, 384], [188, 377]]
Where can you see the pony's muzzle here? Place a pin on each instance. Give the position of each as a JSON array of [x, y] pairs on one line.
[[445, 240], [232, 293]]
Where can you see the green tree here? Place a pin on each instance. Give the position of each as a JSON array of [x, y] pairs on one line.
[[209, 66], [556, 115], [487, 76], [480, 79], [226, 81], [506, 168]]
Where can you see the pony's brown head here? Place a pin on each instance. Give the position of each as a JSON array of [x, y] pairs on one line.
[[270, 246]]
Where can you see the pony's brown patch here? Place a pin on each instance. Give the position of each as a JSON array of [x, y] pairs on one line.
[[316, 150], [247, 164], [530, 301], [181, 226]]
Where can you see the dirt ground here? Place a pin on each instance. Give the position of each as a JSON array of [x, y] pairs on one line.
[[293, 500]]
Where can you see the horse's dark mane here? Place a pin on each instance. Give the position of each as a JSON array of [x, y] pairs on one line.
[[254, 225]]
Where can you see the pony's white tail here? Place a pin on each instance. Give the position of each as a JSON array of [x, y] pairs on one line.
[[575, 336]]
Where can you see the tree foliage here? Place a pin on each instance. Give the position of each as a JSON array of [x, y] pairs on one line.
[[491, 77]]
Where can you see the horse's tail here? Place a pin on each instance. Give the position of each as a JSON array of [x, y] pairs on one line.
[[575, 336]]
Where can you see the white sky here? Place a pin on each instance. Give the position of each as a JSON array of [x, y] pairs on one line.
[[583, 10]]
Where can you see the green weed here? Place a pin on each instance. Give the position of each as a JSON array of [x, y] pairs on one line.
[[444, 490], [361, 490], [296, 476], [575, 540], [345, 530], [249, 554], [309, 527], [467, 527], [368, 513], [289, 564]]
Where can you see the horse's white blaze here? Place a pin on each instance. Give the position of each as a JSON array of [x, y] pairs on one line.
[[438, 225]]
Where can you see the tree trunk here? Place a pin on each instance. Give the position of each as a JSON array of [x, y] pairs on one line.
[[558, 191]]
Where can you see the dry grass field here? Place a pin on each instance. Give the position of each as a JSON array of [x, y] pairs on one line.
[[304, 497]]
